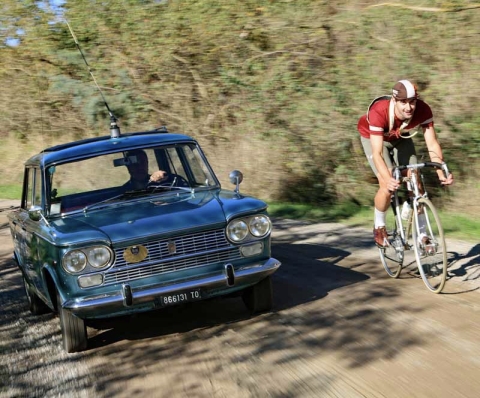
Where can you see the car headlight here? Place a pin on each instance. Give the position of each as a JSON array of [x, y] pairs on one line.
[[247, 228], [74, 261], [259, 225], [95, 256], [99, 256], [237, 230]]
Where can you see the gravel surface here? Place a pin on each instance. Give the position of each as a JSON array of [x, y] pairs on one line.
[[340, 328]]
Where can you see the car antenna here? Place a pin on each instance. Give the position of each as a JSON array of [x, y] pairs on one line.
[[114, 129]]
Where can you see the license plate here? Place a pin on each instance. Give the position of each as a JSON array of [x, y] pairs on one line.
[[177, 298]]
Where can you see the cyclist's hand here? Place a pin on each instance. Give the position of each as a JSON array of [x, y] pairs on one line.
[[447, 181]]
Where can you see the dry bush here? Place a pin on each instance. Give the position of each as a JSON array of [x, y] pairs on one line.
[[270, 88]]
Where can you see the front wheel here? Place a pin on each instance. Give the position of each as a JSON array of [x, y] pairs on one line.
[[393, 254], [429, 245], [35, 304], [259, 297], [74, 331]]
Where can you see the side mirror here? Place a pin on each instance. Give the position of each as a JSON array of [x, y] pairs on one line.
[[35, 213], [236, 178]]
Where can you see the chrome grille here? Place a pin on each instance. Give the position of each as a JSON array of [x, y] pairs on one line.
[[192, 251]]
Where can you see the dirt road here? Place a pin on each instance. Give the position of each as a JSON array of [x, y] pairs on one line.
[[340, 328]]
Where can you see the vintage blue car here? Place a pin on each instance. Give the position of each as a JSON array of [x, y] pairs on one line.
[[121, 224]]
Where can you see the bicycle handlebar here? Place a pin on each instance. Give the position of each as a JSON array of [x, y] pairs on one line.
[[443, 166]]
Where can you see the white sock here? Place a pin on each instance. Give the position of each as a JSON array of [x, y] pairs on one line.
[[380, 217]]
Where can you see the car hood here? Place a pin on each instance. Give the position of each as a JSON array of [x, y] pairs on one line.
[[140, 220]]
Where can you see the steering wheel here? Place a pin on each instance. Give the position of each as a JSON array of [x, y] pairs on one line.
[[177, 180], [173, 180]]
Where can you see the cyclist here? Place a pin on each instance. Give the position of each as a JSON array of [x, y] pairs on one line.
[[389, 125]]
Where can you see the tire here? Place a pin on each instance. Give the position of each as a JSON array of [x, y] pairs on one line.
[[35, 304], [74, 331], [393, 255], [431, 260], [259, 298]]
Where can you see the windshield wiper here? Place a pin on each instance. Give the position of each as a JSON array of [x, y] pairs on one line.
[[168, 187], [86, 208]]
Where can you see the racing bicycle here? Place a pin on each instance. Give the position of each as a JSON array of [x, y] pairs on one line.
[[417, 225]]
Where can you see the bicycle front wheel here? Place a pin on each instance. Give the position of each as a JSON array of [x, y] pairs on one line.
[[429, 245], [393, 254]]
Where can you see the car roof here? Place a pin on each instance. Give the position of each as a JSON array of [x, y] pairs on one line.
[[105, 144]]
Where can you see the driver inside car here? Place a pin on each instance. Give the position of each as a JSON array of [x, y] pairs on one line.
[[138, 170]]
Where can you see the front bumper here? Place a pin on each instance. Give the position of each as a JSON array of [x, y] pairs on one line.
[[129, 300]]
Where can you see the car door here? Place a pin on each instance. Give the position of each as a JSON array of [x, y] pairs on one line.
[[26, 240]]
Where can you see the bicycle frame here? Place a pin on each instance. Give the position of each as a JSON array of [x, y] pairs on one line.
[[413, 186]]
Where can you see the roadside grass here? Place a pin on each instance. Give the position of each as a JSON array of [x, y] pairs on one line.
[[327, 213], [456, 226], [10, 191]]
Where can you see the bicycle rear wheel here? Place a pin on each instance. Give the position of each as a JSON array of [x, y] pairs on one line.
[[431, 254], [392, 256]]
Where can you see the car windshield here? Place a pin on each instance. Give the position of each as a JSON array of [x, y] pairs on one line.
[[126, 175]]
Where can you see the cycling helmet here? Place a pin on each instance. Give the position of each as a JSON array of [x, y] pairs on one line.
[[404, 89]]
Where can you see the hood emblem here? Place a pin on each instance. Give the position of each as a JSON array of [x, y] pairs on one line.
[[172, 247], [135, 254]]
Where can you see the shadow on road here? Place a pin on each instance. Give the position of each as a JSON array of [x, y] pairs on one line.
[[294, 284], [464, 270], [470, 268], [309, 272]]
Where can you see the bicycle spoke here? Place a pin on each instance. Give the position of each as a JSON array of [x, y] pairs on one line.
[[430, 247], [392, 256]]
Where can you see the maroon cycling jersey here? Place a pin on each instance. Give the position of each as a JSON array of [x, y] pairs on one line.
[[378, 120]]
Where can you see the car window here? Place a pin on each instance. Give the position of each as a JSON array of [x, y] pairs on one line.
[[74, 185], [187, 162], [175, 165], [33, 190], [37, 191], [200, 173], [28, 199], [89, 181], [87, 175]]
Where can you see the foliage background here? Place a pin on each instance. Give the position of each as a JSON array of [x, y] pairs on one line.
[[273, 88]]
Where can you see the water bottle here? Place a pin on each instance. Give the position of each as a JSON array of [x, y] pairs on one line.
[[406, 210]]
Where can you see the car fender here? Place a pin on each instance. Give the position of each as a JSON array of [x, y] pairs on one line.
[[51, 282], [236, 205]]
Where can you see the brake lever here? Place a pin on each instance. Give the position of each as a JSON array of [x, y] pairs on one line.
[[446, 172]]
